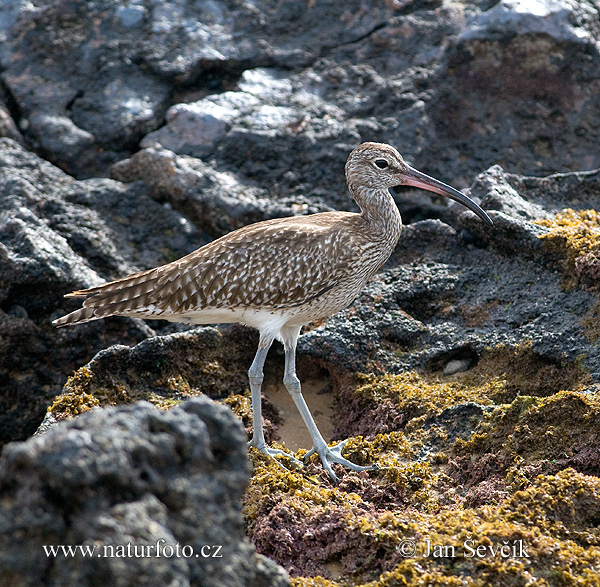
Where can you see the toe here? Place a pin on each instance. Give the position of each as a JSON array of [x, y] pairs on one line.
[[330, 455], [311, 452], [327, 467], [276, 452]]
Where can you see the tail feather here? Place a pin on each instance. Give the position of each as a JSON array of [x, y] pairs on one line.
[[111, 286], [77, 317], [125, 297]]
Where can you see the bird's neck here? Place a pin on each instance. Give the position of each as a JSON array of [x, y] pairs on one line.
[[379, 211]]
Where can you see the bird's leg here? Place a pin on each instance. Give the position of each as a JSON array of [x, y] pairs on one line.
[[255, 375], [328, 454]]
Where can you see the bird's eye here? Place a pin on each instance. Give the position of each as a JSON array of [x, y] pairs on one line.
[[381, 163]]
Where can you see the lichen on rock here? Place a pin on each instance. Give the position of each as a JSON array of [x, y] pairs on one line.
[[574, 235]]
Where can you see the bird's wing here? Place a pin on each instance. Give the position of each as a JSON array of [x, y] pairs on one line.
[[272, 264]]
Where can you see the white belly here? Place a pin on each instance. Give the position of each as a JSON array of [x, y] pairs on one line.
[[266, 321]]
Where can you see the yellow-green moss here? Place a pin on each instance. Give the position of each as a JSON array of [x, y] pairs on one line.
[[501, 374], [175, 383], [241, 405], [392, 453], [76, 397], [532, 432], [541, 432], [163, 403], [574, 235], [591, 323], [519, 371], [305, 491], [68, 405], [393, 444], [314, 582], [420, 396], [548, 530], [80, 381], [81, 393]]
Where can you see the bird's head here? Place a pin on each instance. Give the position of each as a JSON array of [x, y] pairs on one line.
[[378, 166]]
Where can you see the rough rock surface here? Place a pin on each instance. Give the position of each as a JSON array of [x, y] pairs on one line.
[[457, 86], [58, 234], [131, 478], [207, 116], [452, 293]]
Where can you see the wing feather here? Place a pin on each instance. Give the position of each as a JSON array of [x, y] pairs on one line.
[[273, 264]]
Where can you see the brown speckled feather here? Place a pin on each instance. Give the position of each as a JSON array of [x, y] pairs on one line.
[[277, 276], [278, 273], [278, 263]]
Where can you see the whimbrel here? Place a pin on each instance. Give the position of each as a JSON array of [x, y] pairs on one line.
[[277, 276]]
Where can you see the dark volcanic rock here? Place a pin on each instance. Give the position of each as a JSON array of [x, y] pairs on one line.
[[129, 59], [456, 87], [131, 479], [206, 360], [212, 115], [446, 298], [215, 201], [56, 235], [537, 61]]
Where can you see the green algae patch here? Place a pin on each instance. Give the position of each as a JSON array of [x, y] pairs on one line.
[[271, 480], [566, 504], [591, 323], [391, 444], [76, 396], [474, 462], [83, 391], [415, 483], [303, 521], [314, 582], [574, 237], [175, 383], [418, 396], [66, 406], [374, 404], [162, 370], [241, 406], [485, 473]]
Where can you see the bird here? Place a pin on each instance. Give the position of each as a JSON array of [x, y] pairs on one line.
[[277, 276]]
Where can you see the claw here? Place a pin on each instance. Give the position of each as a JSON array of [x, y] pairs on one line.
[[275, 452], [333, 454]]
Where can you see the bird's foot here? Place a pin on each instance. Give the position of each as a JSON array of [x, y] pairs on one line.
[[275, 452], [333, 454]]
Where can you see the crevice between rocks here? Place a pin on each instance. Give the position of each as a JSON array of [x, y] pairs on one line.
[[7, 96], [209, 78]]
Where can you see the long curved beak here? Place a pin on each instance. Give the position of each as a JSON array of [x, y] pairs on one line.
[[420, 180]]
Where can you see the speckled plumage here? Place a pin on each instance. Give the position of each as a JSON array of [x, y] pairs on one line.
[[276, 264], [277, 275], [309, 267]]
